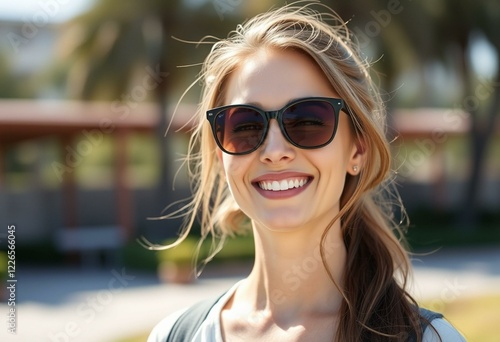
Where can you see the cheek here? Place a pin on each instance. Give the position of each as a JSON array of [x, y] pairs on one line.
[[331, 164], [234, 167], [334, 172], [236, 172]]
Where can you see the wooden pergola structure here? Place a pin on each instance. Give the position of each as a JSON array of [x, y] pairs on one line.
[[22, 120], [30, 119]]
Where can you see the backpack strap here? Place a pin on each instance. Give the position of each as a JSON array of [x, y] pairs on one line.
[[427, 316], [188, 323]]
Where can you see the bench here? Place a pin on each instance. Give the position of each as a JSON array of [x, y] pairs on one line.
[[90, 242]]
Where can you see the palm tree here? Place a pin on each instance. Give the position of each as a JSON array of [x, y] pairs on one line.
[[108, 50], [415, 34], [450, 25], [486, 19]]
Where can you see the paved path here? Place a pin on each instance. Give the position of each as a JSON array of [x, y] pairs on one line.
[[102, 306]]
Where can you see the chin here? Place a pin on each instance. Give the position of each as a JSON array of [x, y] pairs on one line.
[[282, 223]]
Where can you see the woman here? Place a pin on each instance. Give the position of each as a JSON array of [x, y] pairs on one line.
[[291, 137]]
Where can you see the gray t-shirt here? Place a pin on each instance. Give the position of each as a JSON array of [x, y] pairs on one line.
[[210, 329]]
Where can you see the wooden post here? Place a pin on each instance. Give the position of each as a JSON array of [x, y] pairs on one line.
[[69, 193], [69, 196], [123, 193], [2, 166], [438, 161]]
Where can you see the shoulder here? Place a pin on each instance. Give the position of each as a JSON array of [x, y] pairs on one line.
[[161, 331], [186, 324], [442, 329], [201, 319]]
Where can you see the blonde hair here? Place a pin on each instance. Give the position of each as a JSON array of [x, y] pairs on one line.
[[376, 305]]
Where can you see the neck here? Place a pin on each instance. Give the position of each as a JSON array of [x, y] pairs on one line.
[[289, 277]]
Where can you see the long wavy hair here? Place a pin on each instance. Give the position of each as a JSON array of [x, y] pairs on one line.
[[376, 305]]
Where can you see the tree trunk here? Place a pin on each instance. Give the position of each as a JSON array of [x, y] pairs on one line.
[[481, 134], [164, 140]]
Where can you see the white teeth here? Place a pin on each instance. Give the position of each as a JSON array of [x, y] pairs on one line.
[[276, 186], [285, 184]]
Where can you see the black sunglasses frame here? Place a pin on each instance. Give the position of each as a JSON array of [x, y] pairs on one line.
[[337, 105]]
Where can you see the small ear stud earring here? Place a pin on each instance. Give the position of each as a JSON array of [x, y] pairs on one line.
[[355, 168]]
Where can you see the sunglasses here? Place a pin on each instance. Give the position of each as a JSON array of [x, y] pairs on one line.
[[307, 123]]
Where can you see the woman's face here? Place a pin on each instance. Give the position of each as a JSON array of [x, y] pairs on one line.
[[269, 79]]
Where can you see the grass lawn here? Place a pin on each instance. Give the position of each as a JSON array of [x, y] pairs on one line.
[[140, 338], [477, 318]]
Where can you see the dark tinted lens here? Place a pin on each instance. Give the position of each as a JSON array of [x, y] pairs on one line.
[[310, 123], [239, 129]]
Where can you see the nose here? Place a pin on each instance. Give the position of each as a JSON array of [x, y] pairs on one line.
[[276, 148]]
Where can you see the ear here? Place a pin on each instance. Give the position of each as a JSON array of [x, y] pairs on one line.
[[356, 158]]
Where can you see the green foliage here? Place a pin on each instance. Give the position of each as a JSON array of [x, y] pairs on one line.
[[3, 265], [237, 248], [430, 229], [181, 254], [13, 85], [138, 257], [45, 252]]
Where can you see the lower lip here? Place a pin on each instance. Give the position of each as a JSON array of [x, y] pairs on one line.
[[281, 194]]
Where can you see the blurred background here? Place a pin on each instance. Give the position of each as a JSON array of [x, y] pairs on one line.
[[89, 87]]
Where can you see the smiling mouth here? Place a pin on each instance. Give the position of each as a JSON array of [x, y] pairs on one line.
[[285, 184]]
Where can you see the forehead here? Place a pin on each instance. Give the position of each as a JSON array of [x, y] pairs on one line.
[[271, 78]]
